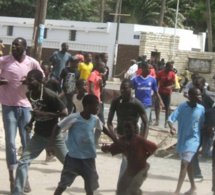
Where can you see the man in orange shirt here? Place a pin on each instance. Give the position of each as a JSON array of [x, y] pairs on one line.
[[166, 82], [95, 84]]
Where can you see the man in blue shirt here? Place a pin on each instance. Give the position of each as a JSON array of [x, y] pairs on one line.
[[144, 85], [190, 117], [80, 159], [59, 59]]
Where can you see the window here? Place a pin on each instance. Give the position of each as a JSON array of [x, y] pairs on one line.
[[10, 31], [136, 36], [45, 33], [72, 35]]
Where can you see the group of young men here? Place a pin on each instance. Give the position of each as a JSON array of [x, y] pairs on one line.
[[40, 108], [192, 134]]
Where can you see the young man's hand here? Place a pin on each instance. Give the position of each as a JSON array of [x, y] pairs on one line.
[[209, 132], [50, 150], [23, 80], [38, 113], [28, 127], [105, 148], [122, 145]]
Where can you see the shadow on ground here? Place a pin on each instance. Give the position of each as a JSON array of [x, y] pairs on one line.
[[157, 193], [4, 192], [76, 191], [161, 177]]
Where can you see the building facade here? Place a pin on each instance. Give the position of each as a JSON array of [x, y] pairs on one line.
[[98, 37]]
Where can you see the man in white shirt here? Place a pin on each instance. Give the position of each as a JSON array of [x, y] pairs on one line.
[[131, 72]]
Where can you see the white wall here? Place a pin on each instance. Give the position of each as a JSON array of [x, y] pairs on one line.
[[94, 37]]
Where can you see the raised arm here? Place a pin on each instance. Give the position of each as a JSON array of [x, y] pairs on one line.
[[39, 113]]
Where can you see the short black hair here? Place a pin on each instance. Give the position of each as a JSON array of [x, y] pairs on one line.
[[169, 63], [192, 91], [102, 54], [195, 75], [127, 81], [98, 64], [145, 64], [201, 79], [24, 42], [63, 44], [37, 74], [86, 55], [90, 99]]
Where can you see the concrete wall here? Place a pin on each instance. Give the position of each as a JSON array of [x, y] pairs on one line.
[[151, 42], [182, 58], [95, 37], [188, 40]]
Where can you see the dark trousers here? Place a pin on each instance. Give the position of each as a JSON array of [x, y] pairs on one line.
[[213, 167]]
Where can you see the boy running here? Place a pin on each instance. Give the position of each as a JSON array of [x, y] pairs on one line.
[[47, 108], [190, 117], [80, 159], [137, 152]]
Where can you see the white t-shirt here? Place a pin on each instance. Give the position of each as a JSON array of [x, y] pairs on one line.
[[77, 103], [190, 85], [131, 73]]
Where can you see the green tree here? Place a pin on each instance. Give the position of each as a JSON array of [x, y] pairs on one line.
[[17, 8], [209, 25]]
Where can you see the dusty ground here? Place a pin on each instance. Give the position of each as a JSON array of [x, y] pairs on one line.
[[162, 177]]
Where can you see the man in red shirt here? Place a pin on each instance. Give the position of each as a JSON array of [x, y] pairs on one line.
[[95, 87], [166, 82], [137, 151]]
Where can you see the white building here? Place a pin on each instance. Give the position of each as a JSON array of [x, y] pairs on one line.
[[91, 36]]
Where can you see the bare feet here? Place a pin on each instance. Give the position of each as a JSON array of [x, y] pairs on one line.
[[27, 188], [11, 185], [50, 158], [192, 191], [156, 123]]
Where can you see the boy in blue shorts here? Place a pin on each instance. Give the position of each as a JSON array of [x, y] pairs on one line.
[[80, 159], [190, 117]]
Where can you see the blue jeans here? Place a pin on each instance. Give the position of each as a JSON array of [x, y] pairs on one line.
[[213, 167], [123, 166], [14, 117], [33, 149]]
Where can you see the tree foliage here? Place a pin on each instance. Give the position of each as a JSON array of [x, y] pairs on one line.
[[17, 8], [192, 13]]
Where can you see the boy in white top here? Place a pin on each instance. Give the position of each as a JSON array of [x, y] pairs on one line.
[[131, 72], [81, 87]]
